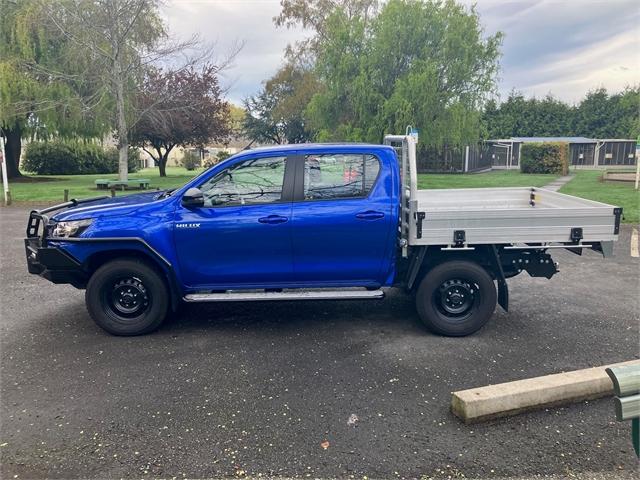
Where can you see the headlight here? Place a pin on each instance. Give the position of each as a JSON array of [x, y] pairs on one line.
[[70, 229]]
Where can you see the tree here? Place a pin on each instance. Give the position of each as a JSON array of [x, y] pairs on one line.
[[427, 64], [628, 125], [277, 113], [121, 38], [33, 101], [521, 117], [236, 114], [314, 15], [598, 115], [602, 115], [183, 107]]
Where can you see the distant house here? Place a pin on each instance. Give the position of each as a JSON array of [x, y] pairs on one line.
[[583, 152]]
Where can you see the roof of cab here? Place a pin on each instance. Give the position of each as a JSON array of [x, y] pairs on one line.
[[345, 147]]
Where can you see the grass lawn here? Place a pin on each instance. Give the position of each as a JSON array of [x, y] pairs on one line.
[[51, 188], [37, 188], [495, 178], [588, 184]]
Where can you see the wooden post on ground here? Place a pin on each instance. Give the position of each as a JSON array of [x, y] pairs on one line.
[[5, 178], [66, 194], [113, 192], [637, 162], [466, 159]]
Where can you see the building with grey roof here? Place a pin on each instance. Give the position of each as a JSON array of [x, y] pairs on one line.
[[583, 152]]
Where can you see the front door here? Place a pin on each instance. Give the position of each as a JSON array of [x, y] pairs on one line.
[[343, 223], [241, 238]]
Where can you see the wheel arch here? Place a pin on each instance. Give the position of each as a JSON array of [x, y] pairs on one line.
[[435, 256], [485, 256], [99, 258]]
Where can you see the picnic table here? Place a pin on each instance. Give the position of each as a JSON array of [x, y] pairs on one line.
[[105, 184]]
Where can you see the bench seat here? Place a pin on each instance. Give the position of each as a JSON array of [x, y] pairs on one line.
[[103, 184]]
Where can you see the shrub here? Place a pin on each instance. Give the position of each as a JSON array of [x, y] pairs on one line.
[[113, 155], [222, 155], [190, 160], [74, 158], [214, 160], [545, 158], [50, 158]]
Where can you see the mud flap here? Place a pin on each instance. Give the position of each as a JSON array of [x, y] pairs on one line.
[[503, 289]]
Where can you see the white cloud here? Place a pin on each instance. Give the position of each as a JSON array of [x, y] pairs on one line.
[[612, 63], [565, 47], [227, 21]]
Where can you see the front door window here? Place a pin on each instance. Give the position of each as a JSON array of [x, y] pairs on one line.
[[255, 181]]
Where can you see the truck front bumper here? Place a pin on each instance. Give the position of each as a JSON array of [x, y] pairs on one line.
[[53, 263]]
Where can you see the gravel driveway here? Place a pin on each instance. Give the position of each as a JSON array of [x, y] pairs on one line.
[[318, 389]]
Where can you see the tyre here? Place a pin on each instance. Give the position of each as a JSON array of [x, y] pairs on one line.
[[127, 297], [456, 298]]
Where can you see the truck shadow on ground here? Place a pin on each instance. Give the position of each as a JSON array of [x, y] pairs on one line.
[[396, 311]]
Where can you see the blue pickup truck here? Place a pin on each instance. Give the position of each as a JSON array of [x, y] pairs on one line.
[[310, 222]]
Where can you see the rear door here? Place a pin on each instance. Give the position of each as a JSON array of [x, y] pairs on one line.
[[342, 220]]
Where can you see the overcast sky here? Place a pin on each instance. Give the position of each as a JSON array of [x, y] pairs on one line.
[[565, 47]]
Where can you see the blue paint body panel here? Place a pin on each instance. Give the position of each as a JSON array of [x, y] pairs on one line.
[[319, 243]]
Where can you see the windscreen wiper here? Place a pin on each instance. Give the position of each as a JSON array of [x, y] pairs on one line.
[[165, 194]]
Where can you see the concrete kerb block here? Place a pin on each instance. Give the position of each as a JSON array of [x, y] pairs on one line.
[[511, 398]]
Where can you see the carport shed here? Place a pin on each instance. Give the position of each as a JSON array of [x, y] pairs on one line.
[[583, 152]]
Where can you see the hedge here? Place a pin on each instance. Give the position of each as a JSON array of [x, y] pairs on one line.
[[190, 160], [545, 158], [74, 158]]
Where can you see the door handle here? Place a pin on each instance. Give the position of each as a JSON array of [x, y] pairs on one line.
[[273, 219], [369, 215]]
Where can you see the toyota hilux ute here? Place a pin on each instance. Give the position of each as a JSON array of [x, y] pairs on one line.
[[311, 222]]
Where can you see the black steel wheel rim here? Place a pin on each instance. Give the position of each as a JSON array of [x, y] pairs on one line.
[[126, 298], [456, 298]]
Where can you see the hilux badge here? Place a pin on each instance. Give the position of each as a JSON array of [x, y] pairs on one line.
[[187, 225]]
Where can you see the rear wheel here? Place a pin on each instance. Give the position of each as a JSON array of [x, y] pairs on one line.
[[127, 297], [456, 298]]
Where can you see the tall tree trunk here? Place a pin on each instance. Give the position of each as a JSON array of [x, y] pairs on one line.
[[123, 139], [12, 149], [163, 164]]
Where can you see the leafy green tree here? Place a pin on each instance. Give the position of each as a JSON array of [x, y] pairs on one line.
[[34, 101], [598, 115], [119, 37], [314, 15], [521, 117], [628, 125], [601, 115], [427, 64], [277, 113]]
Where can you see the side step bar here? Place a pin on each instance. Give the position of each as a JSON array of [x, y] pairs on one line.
[[235, 296]]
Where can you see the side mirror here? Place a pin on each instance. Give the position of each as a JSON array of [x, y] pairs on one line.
[[193, 198]]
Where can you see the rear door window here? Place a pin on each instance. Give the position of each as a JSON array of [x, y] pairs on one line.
[[333, 176]]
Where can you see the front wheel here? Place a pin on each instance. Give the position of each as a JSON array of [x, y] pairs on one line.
[[456, 298], [127, 297]]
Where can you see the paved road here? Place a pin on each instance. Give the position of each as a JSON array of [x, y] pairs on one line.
[[257, 388]]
